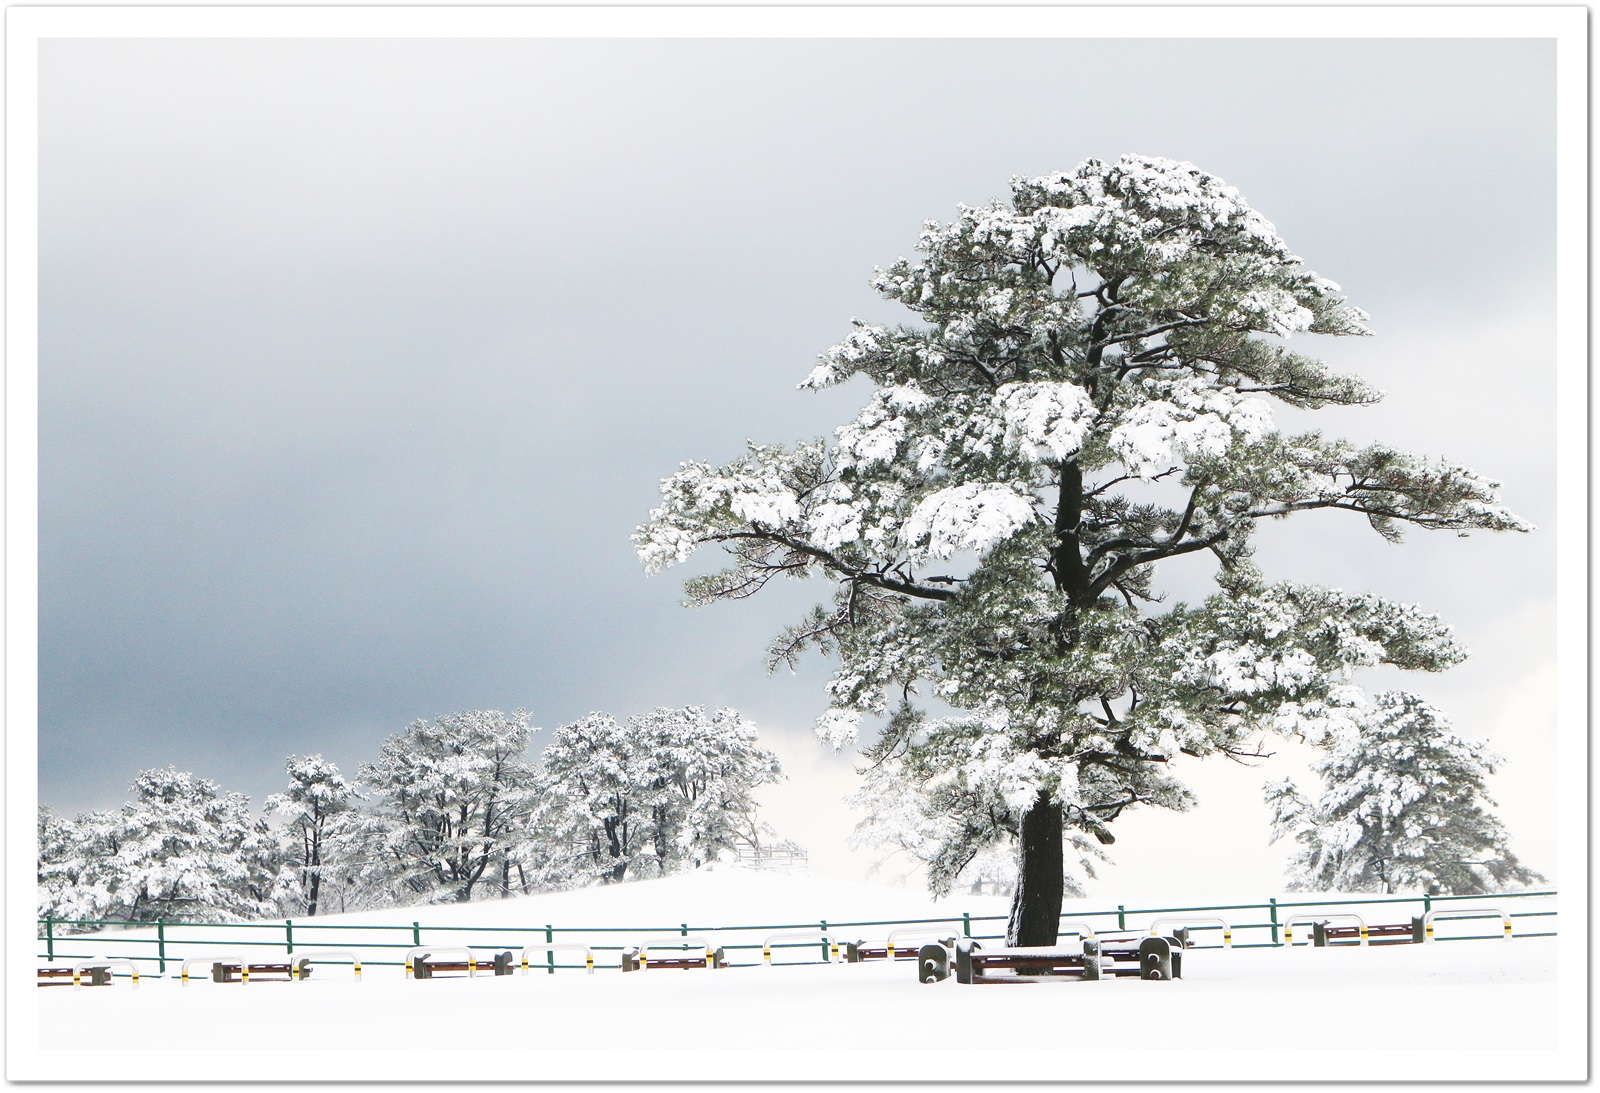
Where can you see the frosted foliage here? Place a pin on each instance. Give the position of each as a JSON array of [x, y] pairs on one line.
[[881, 428], [1045, 420], [838, 727], [1403, 807], [1185, 420], [974, 516], [699, 498], [988, 532]]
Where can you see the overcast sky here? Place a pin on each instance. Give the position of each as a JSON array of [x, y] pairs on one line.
[[360, 360]]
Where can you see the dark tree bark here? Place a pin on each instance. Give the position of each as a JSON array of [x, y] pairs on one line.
[[314, 887], [1041, 877]]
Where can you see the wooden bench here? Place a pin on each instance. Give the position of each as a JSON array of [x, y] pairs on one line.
[[679, 953], [222, 972], [857, 951], [1144, 957], [1024, 964], [1099, 958], [1391, 933], [634, 960], [62, 975], [501, 963]]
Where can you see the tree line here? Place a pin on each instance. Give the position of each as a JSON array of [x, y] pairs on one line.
[[451, 810]]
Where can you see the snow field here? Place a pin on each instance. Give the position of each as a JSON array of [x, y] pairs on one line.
[[1451, 1009]]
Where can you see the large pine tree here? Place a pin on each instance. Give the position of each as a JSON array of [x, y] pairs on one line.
[[1086, 391]]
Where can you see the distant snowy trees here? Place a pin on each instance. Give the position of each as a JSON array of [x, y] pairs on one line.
[[660, 792], [180, 849], [1403, 807], [452, 809], [450, 797], [318, 811], [1086, 391]]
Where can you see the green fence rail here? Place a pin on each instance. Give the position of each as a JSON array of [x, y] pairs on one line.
[[168, 941]]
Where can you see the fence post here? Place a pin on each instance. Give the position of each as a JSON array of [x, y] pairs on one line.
[[824, 940], [1272, 906], [288, 936], [550, 954], [1122, 922], [416, 934], [49, 938], [1427, 903], [161, 944], [966, 924]]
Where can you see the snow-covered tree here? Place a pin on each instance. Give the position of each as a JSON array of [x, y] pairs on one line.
[[60, 864], [588, 816], [317, 809], [182, 849], [661, 792], [451, 798], [1403, 806], [1087, 391]]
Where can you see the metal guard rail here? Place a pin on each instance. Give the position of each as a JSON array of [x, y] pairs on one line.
[[282, 935]]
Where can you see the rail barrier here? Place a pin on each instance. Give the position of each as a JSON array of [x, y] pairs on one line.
[[108, 964], [1196, 923], [678, 945], [1267, 924], [588, 955], [1465, 913], [830, 947], [304, 958]]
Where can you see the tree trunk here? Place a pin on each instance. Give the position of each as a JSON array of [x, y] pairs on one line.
[[315, 878], [1041, 877]]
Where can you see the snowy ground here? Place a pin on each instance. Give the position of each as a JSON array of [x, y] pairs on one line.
[[1450, 1011]]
